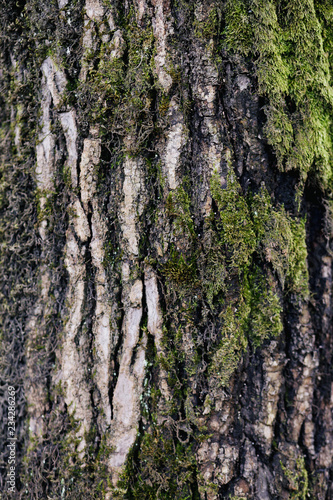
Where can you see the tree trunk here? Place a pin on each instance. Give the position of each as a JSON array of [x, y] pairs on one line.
[[166, 249]]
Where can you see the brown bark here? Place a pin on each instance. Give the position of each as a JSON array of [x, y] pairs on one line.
[[166, 321]]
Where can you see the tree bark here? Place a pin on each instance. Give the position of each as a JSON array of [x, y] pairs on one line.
[[166, 249]]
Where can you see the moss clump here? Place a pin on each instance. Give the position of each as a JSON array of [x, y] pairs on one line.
[[251, 253], [233, 342], [298, 480], [256, 316], [298, 275], [213, 270], [164, 104], [250, 230], [106, 83], [278, 244], [118, 93], [180, 272], [283, 244], [45, 204], [172, 357], [210, 26], [181, 266], [163, 469], [324, 12], [264, 319], [238, 33], [289, 44], [250, 226], [178, 205], [234, 223]]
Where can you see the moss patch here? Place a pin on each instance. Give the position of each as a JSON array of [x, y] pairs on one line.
[[118, 93], [167, 469], [298, 480], [289, 43], [233, 342], [251, 254]]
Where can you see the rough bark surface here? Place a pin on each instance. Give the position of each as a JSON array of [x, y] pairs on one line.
[[166, 248]]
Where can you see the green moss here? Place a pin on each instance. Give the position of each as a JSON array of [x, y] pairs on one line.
[[250, 230], [305, 65], [226, 358], [281, 241], [252, 253], [298, 480], [248, 225], [235, 226], [324, 11], [264, 319], [45, 204], [164, 104], [181, 266], [172, 357], [118, 94], [67, 176], [298, 275], [213, 271], [277, 243], [284, 246], [210, 26], [107, 81], [175, 72], [255, 316], [293, 66], [180, 272], [166, 468], [178, 206], [238, 32]]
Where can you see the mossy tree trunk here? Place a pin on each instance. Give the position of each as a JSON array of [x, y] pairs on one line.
[[166, 248]]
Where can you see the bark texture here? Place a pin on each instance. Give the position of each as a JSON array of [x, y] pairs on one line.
[[166, 248]]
